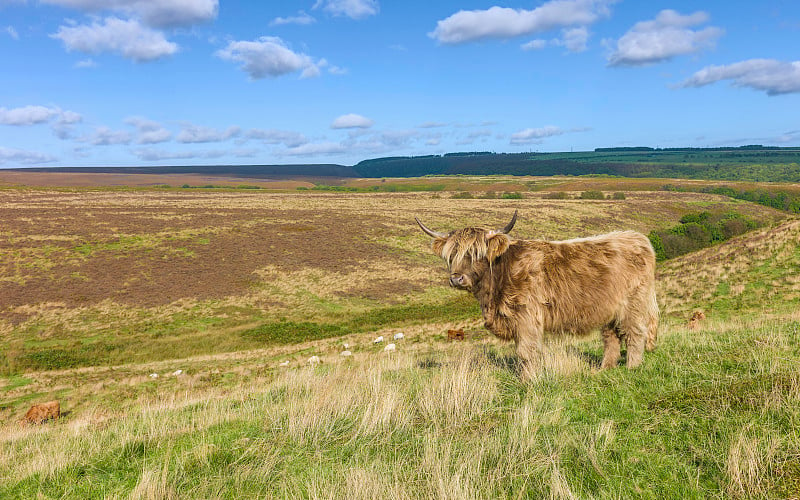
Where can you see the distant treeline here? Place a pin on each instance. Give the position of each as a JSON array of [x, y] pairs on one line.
[[749, 163], [749, 147]]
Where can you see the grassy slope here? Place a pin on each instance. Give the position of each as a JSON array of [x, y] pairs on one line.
[[712, 413]]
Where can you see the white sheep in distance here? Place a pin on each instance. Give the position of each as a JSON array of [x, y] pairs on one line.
[[346, 353], [314, 360], [378, 340], [389, 348], [398, 336], [284, 363]]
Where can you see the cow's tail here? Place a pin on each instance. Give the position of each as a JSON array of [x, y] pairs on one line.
[[652, 320]]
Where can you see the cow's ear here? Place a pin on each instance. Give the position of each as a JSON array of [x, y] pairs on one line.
[[438, 246], [496, 246]]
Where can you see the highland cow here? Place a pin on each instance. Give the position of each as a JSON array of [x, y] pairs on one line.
[[528, 287]]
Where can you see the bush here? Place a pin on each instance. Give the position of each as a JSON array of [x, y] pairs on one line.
[[556, 195], [592, 195], [698, 218], [618, 195], [489, 195], [658, 245], [511, 196], [699, 230]]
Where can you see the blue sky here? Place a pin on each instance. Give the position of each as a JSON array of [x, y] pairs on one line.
[[164, 82]]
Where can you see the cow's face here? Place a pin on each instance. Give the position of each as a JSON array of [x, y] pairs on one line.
[[469, 252]]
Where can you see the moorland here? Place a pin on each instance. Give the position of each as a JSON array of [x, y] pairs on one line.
[[161, 312]]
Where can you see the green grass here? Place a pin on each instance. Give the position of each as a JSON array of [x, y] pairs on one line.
[[187, 334], [703, 417]]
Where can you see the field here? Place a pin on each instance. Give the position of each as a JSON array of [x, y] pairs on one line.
[[101, 288]]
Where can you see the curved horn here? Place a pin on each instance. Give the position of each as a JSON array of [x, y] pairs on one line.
[[432, 234], [509, 226]]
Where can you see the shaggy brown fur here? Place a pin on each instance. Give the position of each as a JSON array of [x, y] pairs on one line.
[[528, 287], [41, 412]]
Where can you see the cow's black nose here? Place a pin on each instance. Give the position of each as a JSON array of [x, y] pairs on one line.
[[456, 279]]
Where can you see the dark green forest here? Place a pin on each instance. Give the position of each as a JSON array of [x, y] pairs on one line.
[[748, 163]]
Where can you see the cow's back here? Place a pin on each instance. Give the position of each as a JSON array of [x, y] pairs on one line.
[[577, 285]]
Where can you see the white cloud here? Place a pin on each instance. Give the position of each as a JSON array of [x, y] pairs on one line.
[[68, 117], [573, 39], [477, 134], [667, 36], [157, 13], [12, 32], [301, 18], [149, 132], [314, 149], [104, 136], [268, 56], [288, 138], [27, 115], [127, 38], [431, 124], [535, 135], [23, 157], [771, 76], [355, 9], [196, 134], [537, 44], [352, 120], [502, 22], [792, 136], [153, 154], [64, 125], [397, 138], [34, 115], [86, 63]]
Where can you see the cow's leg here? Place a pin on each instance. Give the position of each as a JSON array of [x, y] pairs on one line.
[[611, 347], [652, 319], [637, 338], [529, 340]]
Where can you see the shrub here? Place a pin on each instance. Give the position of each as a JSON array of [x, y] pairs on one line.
[[556, 195], [618, 195], [511, 196], [592, 195], [658, 245], [698, 218]]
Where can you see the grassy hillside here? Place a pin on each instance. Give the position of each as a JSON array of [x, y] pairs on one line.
[[713, 412]]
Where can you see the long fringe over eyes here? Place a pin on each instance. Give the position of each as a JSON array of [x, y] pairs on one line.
[[469, 242]]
